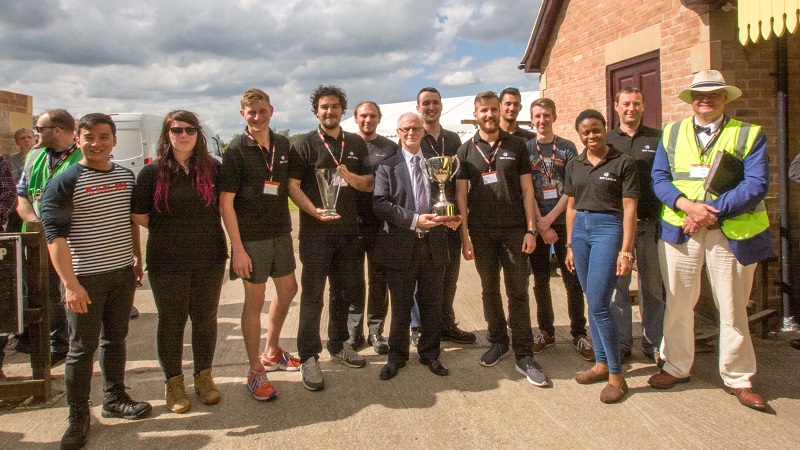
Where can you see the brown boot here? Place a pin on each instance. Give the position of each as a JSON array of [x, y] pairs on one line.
[[205, 388], [175, 395]]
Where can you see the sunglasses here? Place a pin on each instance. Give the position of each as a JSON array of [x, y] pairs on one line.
[[177, 131], [39, 129]]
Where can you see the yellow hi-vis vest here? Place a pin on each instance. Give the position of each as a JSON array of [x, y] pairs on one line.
[[736, 138]]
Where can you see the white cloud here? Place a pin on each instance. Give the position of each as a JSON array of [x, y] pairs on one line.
[[460, 78]]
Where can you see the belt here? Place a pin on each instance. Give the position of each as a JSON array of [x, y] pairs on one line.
[[421, 234]]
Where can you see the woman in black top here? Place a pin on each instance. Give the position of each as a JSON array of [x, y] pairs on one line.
[[176, 199], [602, 185]]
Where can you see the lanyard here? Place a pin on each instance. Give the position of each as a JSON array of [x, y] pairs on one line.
[[269, 162], [702, 150], [434, 143], [547, 166], [64, 155], [493, 154], [341, 152]]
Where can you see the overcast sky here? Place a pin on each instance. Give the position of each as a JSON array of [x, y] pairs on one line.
[[201, 55]]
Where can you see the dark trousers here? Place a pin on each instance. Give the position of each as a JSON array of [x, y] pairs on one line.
[[105, 322], [502, 248], [377, 297], [421, 276], [331, 258], [59, 331], [450, 283], [183, 295], [540, 266]]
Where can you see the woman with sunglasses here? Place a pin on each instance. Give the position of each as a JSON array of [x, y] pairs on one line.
[[602, 185], [176, 199]]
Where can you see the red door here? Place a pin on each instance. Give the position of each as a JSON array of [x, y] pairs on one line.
[[643, 72]]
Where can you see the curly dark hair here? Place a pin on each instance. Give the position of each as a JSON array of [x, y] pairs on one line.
[[589, 114], [324, 91]]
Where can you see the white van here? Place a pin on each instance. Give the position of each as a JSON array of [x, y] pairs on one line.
[[137, 138]]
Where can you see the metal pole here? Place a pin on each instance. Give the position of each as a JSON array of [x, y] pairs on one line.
[[787, 285]]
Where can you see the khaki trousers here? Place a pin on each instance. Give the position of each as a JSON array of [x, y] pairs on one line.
[[730, 282]]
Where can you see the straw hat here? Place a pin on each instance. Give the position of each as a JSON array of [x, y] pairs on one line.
[[709, 80]]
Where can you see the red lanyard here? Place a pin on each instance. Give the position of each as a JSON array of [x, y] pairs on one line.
[[494, 152], [434, 143], [341, 152], [548, 168]]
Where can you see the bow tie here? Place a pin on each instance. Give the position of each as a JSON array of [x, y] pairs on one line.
[[701, 129]]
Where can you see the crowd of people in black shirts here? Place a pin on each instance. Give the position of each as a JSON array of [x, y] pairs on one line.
[[518, 197]]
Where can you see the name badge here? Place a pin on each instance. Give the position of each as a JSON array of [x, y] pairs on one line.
[[699, 171], [271, 187], [489, 177], [550, 193]]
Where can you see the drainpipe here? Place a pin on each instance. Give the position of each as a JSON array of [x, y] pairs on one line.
[[788, 289]]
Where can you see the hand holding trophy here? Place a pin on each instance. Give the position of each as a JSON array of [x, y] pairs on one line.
[[441, 169]]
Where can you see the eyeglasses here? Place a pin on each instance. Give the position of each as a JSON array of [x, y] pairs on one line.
[[177, 131], [39, 129], [410, 129]]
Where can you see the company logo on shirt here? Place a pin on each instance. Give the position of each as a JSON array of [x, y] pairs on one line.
[[608, 177], [105, 188], [647, 149], [505, 156]]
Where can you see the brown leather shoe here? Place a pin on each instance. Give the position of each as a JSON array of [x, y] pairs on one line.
[[748, 398], [589, 376], [663, 380], [613, 394]]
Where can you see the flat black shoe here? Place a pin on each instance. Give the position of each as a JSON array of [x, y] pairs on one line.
[[454, 334], [795, 343], [379, 344], [436, 366], [121, 405], [390, 369]]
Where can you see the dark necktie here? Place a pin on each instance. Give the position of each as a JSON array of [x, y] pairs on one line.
[[420, 199], [701, 129]]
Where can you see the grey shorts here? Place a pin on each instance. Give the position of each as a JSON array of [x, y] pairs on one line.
[[273, 257]]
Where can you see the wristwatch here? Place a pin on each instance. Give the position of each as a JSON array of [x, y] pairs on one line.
[[627, 255], [532, 232], [567, 245]]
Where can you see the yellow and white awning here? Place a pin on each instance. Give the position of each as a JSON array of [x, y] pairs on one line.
[[763, 18]]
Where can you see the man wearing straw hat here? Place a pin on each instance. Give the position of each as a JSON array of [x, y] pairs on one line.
[[728, 233]]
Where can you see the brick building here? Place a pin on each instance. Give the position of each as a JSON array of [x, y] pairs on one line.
[[16, 111], [586, 50]]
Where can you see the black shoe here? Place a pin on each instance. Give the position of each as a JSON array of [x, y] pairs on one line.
[[795, 343], [379, 344], [624, 354], [435, 365], [57, 358], [454, 334], [357, 343], [390, 369], [134, 312], [119, 404], [415, 333], [495, 353], [75, 436]]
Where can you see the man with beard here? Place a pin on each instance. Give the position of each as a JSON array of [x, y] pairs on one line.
[[440, 142], [329, 247], [496, 198], [510, 107]]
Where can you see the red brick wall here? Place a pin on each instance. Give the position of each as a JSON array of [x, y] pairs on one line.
[[12, 105]]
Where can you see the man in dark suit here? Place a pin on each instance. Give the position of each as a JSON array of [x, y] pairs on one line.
[[412, 248]]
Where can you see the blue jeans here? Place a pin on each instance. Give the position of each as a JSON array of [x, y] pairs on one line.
[[651, 292], [596, 241]]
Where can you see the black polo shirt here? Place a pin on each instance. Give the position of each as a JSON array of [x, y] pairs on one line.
[[496, 205], [548, 165], [446, 145], [601, 188], [245, 168], [379, 149], [309, 153], [641, 147], [526, 135]]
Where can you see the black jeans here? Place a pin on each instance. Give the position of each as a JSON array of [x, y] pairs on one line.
[[450, 283], [540, 266], [106, 323], [182, 295], [326, 257], [502, 248], [377, 297], [423, 277]]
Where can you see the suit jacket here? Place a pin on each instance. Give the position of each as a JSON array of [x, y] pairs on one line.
[[393, 203]]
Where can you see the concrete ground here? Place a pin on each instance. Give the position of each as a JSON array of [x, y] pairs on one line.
[[473, 407]]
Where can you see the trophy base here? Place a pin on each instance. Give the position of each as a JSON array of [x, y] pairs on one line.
[[445, 219], [330, 213]]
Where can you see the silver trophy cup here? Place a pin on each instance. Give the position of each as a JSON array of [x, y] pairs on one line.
[[441, 169], [328, 181]]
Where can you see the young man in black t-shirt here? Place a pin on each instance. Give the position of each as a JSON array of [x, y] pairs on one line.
[[510, 107], [498, 230], [329, 247], [255, 209]]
